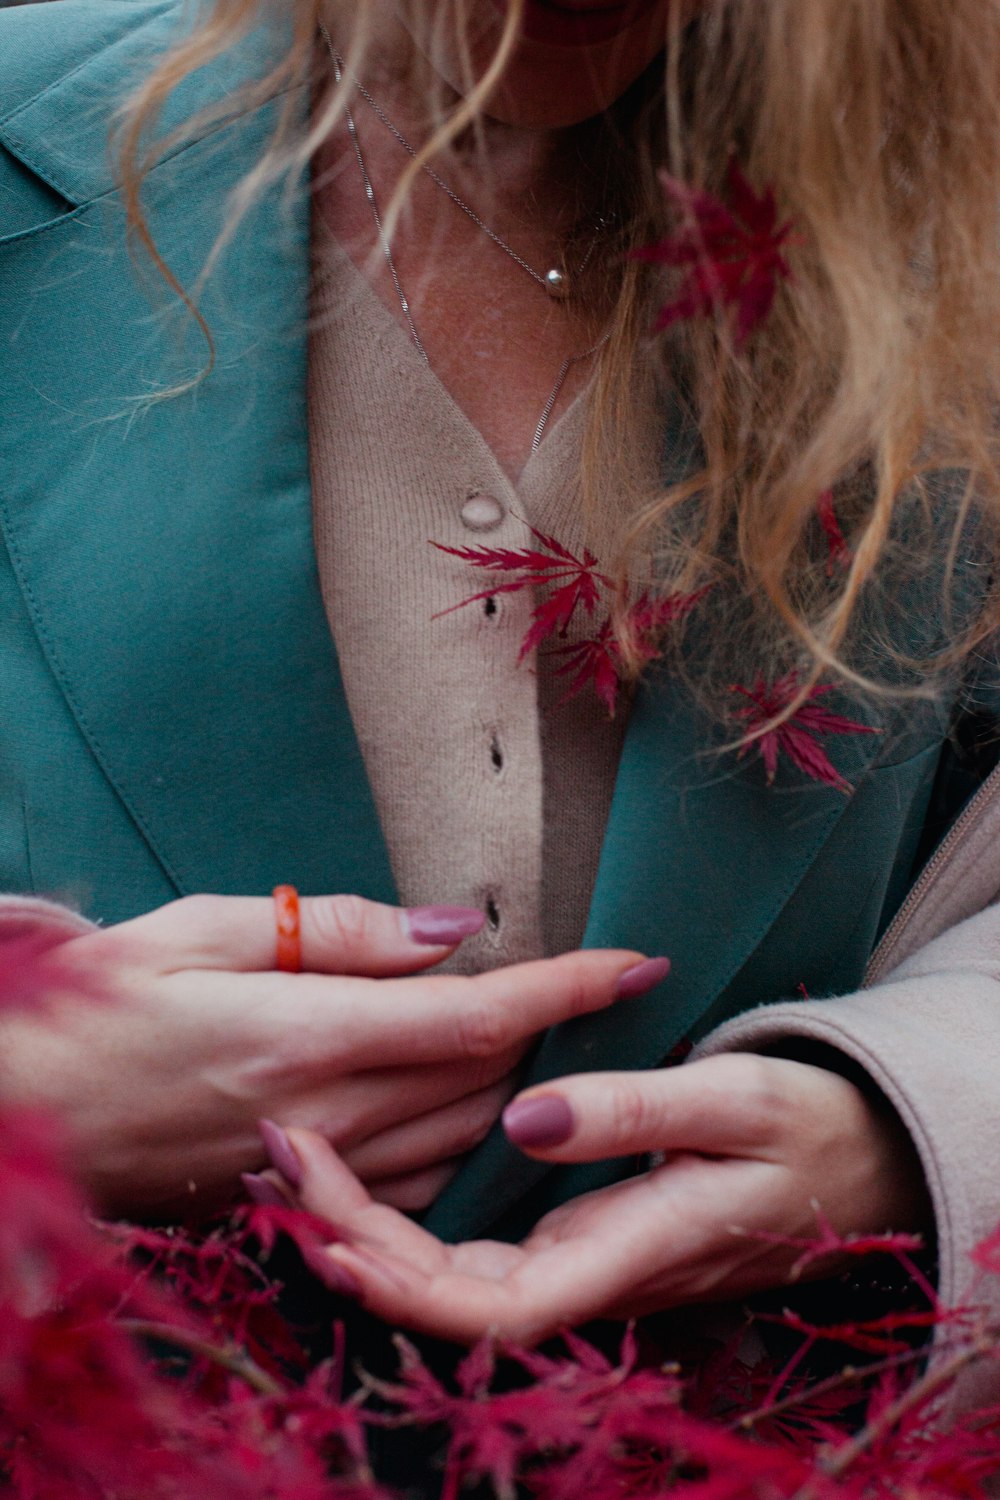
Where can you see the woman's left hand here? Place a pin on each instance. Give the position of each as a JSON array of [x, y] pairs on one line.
[[752, 1144]]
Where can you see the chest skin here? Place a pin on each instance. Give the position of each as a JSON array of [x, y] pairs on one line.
[[499, 344], [172, 714]]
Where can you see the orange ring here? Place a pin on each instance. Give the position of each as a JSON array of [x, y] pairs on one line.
[[288, 947]]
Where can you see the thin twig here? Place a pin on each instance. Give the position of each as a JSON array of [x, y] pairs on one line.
[[849, 1375], [231, 1357], [834, 1463]]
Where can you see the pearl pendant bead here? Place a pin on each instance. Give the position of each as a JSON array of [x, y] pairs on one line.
[[557, 283]]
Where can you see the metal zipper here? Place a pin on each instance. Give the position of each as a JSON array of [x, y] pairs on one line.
[[879, 961]]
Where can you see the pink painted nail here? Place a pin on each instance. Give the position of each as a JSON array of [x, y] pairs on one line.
[[337, 1277], [545, 1120], [262, 1191], [281, 1151], [442, 925], [643, 977]]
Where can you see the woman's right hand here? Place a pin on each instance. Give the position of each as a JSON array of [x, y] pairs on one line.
[[161, 1079]]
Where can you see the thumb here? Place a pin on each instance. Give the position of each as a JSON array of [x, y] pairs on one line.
[[721, 1106]]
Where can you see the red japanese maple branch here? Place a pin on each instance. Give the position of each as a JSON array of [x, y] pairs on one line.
[[834, 1463], [847, 1375], [230, 1357]]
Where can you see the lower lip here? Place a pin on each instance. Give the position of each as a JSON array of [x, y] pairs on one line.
[[576, 26]]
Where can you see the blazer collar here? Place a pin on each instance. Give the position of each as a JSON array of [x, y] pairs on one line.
[[63, 83]]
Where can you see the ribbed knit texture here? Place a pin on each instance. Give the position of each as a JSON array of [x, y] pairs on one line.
[[490, 790]]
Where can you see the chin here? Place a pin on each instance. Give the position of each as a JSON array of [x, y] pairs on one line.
[[573, 60], [549, 86], [531, 111]]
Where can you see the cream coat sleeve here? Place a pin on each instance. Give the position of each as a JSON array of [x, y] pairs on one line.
[[928, 1034]]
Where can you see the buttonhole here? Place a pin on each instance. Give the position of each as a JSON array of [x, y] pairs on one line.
[[496, 754], [492, 914]]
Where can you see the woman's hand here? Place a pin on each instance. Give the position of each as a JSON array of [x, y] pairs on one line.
[[751, 1144], [162, 1078]]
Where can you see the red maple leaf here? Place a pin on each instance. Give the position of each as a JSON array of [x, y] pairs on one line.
[[829, 1241], [839, 554], [571, 1423], [884, 1335], [799, 736], [573, 581], [598, 660], [732, 255], [647, 618], [595, 661], [264, 1222]]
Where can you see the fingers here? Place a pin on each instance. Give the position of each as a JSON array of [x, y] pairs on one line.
[[350, 1109], [329, 1189], [409, 1193], [663, 1238], [339, 934], [429, 1139], [397, 1270], [416, 1191], [433, 1019], [660, 1240], [562, 1275], [738, 1105]]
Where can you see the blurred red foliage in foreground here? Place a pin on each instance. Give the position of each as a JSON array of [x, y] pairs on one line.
[[139, 1362]]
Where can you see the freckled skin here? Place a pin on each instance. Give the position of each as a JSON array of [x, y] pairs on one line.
[[493, 336]]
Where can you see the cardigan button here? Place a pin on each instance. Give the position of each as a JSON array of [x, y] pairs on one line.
[[481, 512]]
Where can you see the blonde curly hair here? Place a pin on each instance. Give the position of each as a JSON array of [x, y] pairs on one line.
[[875, 123]]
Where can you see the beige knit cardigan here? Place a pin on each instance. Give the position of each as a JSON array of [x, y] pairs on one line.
[[491, 789]]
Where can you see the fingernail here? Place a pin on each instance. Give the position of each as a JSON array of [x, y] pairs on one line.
[[281, 1151], [442, 924], [262, 1191], [337, 1277], [642, 978], [545, 1120]]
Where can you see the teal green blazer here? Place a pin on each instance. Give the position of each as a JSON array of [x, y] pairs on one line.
[[172, 717]]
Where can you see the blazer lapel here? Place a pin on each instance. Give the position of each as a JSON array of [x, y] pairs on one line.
[[699, 861], [163, 542]]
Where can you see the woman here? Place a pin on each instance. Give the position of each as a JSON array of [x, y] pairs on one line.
[[178, 721]]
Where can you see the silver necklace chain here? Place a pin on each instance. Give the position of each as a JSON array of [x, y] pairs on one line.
[[382, 236], [568, 362], [553, 397], [556, 281]]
